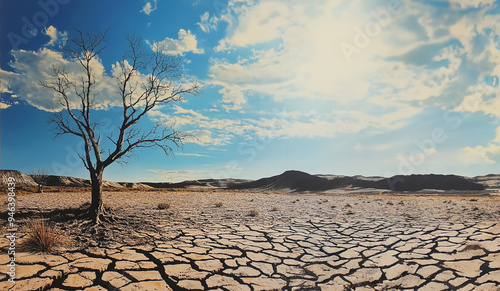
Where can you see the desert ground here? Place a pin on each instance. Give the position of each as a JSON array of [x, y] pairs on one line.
[[203, 239]]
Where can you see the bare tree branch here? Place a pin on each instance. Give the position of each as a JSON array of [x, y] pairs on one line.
[[145, 78]]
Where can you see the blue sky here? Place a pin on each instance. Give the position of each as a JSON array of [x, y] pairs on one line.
[[328, 86]]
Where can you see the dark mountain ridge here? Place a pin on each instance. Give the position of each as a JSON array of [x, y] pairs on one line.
[[299, 182]]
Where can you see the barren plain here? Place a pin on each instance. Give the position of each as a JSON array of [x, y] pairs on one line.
[[241, 240]]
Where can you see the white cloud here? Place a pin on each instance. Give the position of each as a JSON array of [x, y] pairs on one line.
[[213, 131], [185, 43], [205, 137], [201, 129], [179, 175], [497, 137], [56, 37], [148, 7], [295, 53], [481, 98], [465, 4], [3, 105], [208, 23], [417, 60], [489, 154], [193, 155], [31, 68], [247, 29]]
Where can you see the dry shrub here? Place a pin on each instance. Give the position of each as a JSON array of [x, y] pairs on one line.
[[333, 206], [348, 205], [254, 213], [390, 203], [41, 237], [274, 208], [163, 206], [219, 204], [349, 212]]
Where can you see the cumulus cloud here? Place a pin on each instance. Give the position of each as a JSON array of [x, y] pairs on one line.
[[208, 23], [295, 52], [489, 154], [186, 42], [465, 4], [3, 105], [148, 7], [56, 37], [32, 68], [406, 59]]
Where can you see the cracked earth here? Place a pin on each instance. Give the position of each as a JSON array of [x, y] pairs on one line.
[[269, 241]]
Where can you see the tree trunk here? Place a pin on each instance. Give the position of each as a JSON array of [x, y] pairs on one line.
[[96, 207], [40, 188]]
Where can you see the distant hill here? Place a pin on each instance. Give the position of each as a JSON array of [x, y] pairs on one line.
[[61, 181], [78, 182], [206, 183], [490, 181], [21, 179], [289, 181], [421, 182], [299, 181]]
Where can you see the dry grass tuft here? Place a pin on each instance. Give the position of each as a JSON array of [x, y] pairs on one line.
[[254, 213], [274, 208], [349, 212], [163, 206], [348, 205], [219, 204], [41, 236], [390, 203], [333, 206]]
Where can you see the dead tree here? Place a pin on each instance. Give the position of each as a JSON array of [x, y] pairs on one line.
[[41, 177], [147, 78]]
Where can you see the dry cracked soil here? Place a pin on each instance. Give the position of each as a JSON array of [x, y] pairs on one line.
[[217, 240]]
